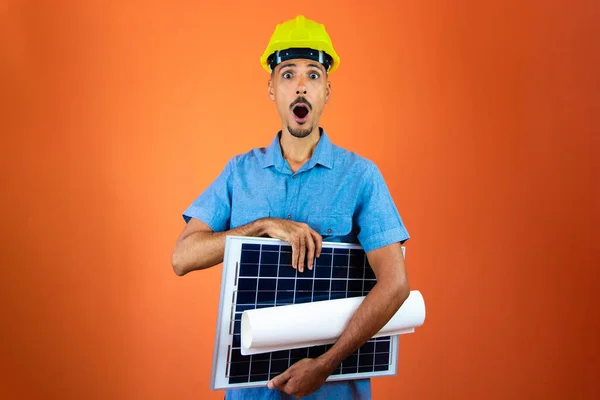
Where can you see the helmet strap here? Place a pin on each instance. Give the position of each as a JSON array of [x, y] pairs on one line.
[[306, 53]]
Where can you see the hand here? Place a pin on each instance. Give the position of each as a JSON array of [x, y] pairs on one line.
[[302, 378], [305, 241]]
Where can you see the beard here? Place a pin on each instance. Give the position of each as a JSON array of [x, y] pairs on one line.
[[300, 132]]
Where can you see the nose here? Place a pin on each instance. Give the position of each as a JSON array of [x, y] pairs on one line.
[[301, 89]]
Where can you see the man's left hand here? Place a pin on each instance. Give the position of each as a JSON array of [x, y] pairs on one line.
[[302, 378]]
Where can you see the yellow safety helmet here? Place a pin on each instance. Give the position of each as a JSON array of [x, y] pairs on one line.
[[300, 38]]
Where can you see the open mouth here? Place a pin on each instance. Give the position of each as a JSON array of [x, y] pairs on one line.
[[300, 111]]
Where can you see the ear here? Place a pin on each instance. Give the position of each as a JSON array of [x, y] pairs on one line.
[[327, 92], [271, 89]]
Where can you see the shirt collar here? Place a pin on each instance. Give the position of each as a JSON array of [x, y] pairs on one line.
[[322, 155]]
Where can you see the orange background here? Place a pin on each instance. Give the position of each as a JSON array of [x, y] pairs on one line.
[[482, 117]]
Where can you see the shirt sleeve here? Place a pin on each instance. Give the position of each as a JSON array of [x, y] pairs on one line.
[[213, 206], [377, 218]]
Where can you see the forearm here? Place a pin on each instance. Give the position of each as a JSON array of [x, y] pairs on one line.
[[201, 250], [378, 307]]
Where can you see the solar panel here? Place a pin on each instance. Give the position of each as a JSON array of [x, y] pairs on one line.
[[257, 273]]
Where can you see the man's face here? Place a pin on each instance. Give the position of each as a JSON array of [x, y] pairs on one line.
[[300, 90]]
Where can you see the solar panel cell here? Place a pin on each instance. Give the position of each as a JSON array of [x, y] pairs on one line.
[[382, 346], [322, 285], [302, 285], [268, 271], [259, 357], [288, 284], [307, 273], [249, 270], [340, 260], [286, 271], [269, 257], [323, 271], [368, 347], [250, 257], [267, 284], [366, 360]]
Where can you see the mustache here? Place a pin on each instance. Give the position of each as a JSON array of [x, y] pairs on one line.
[[301, 100]]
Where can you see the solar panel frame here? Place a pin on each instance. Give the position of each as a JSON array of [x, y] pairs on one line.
[[226, 326]]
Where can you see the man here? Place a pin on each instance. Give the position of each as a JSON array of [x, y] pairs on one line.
[[304, 190]]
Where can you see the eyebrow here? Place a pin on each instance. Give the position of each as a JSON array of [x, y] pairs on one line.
[[317, 66]]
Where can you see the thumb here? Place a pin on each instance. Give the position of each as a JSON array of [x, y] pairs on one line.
[[278, 380]]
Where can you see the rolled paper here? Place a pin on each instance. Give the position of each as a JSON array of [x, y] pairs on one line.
[[317, 323]]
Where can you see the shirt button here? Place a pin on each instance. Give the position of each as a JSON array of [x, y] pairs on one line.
[[329, 230], [293, 176], [289, 216]]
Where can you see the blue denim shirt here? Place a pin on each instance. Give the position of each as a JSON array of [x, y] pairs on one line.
[[338, 193]]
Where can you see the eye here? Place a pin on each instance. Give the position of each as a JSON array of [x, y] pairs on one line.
[[314, 75], [287, 75]]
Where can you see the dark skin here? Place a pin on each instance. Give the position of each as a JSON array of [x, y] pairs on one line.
[[198, 247]]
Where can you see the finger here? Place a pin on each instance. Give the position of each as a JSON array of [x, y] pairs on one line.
[[289, 387], [302, 254], [279, 380], [295, 250], [318, 242], [310, 247]]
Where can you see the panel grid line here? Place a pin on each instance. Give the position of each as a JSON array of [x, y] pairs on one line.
[[276, 286], [255, 306], [364, 263], [331, 277], [364, 272], [289, 358], [347, 282], [295, 281], [374, 353]]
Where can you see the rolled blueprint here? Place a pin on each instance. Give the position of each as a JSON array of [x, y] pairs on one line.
[[318, 323]]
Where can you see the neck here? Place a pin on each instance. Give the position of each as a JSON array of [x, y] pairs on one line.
[[298, 151]]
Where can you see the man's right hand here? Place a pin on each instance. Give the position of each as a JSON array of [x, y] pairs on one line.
[[306, 242], [198, 247]]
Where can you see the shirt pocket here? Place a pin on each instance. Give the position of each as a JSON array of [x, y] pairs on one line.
[[241, 216], [333, 228]]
